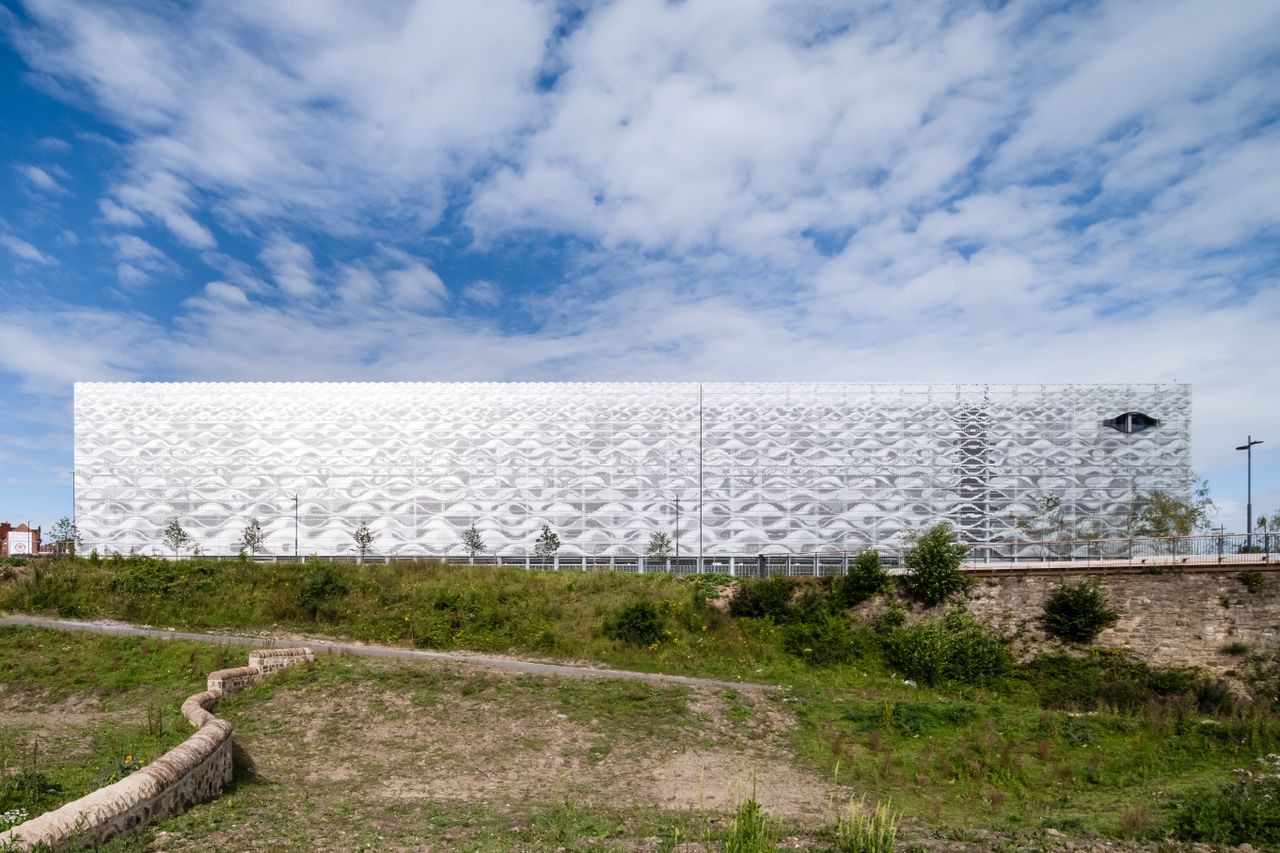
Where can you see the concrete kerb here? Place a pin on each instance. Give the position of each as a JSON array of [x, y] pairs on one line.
[[391, 652], [194, 771]]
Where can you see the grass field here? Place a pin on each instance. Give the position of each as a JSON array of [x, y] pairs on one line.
[[443, 757]]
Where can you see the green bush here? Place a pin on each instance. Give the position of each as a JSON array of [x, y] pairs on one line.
[[893, 618], [763, 598], [1078, 613], [1252, 580], [1107, 679], [1246, 811], [933, 564], [637, 624], [825, 639], [866, 577], [952, 649], [321, 594]]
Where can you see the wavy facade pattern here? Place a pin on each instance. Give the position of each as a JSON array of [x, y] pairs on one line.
[[755, 466]]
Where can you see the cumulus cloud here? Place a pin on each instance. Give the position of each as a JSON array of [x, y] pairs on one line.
[[726, 189], [325, 112]]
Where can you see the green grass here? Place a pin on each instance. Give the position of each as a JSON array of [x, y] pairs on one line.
[[128, 696], [479, 608], [1076, 745]]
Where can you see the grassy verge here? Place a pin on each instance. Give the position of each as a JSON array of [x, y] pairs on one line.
[[78, 712], [1088, 745]]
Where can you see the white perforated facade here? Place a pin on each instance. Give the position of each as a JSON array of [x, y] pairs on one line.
[[756, 466]]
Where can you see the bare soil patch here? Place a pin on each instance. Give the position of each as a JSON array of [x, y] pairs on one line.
[[502, 739]]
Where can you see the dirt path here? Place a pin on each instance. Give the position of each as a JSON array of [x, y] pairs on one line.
[[267, 640]]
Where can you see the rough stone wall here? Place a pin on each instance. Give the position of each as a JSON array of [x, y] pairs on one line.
[[193, 771], [1175, 618]]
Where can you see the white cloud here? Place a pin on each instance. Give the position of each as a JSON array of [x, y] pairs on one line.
[[291, 266], [323, 112], [24, 250], [484, 292], [746, 189], [39, 178], [117, 215]]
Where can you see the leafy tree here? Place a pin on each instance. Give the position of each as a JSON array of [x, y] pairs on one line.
[[472, 541], [659, 546], [864, 579], [253, 539], [175, 538], [363, 537], [547, 544], [66, 536], [1078, 613], [1159, 514], [933, 562], [1051, 521]]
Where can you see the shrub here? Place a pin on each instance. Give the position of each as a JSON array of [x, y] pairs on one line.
[[1111, 679], [934, 565], [893, 618], [319, 596], [1077, 613], [637, 624], [1235, 649], [824, 639], [865, 578], [954, 648], [1252, 580], [767, 597], [1247, 810]]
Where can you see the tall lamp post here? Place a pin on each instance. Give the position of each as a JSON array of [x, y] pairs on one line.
[[677, 532], [1247, 447]]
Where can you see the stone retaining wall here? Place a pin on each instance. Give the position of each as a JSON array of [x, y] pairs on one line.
[[1178, 617], [193, 771]]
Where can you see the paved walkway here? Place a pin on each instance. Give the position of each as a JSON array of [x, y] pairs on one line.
[[117, 629]]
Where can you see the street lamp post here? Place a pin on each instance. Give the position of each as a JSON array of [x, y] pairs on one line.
[[677, 533], [1247, 447]]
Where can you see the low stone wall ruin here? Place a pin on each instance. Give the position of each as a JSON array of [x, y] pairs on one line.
[[194, 771]]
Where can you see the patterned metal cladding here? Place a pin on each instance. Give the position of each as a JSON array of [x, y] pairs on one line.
[[756, 466]]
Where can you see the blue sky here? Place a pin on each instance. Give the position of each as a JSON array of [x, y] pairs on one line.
[[730, 189]]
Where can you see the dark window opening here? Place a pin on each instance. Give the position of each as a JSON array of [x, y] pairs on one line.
[[1131, 422]]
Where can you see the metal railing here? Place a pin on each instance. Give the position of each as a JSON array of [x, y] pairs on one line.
[[1127, 553]]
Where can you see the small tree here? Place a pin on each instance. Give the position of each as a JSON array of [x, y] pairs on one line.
[[472, 541], [363, 537], [864, 579], [1161, 514], [1050, 521], [659, 546], [934, 565], [66, 537], [1077, 613], [546, 545], [253, 539], [175, 538]]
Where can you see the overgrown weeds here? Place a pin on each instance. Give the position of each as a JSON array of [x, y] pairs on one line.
[[866, 831]]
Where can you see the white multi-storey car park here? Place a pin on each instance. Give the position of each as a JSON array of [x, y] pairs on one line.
[[755, 467]]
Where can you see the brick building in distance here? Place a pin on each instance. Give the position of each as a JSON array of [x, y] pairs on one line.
[[18, 540]]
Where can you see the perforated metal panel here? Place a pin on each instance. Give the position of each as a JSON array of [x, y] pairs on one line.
[[756, 466]]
